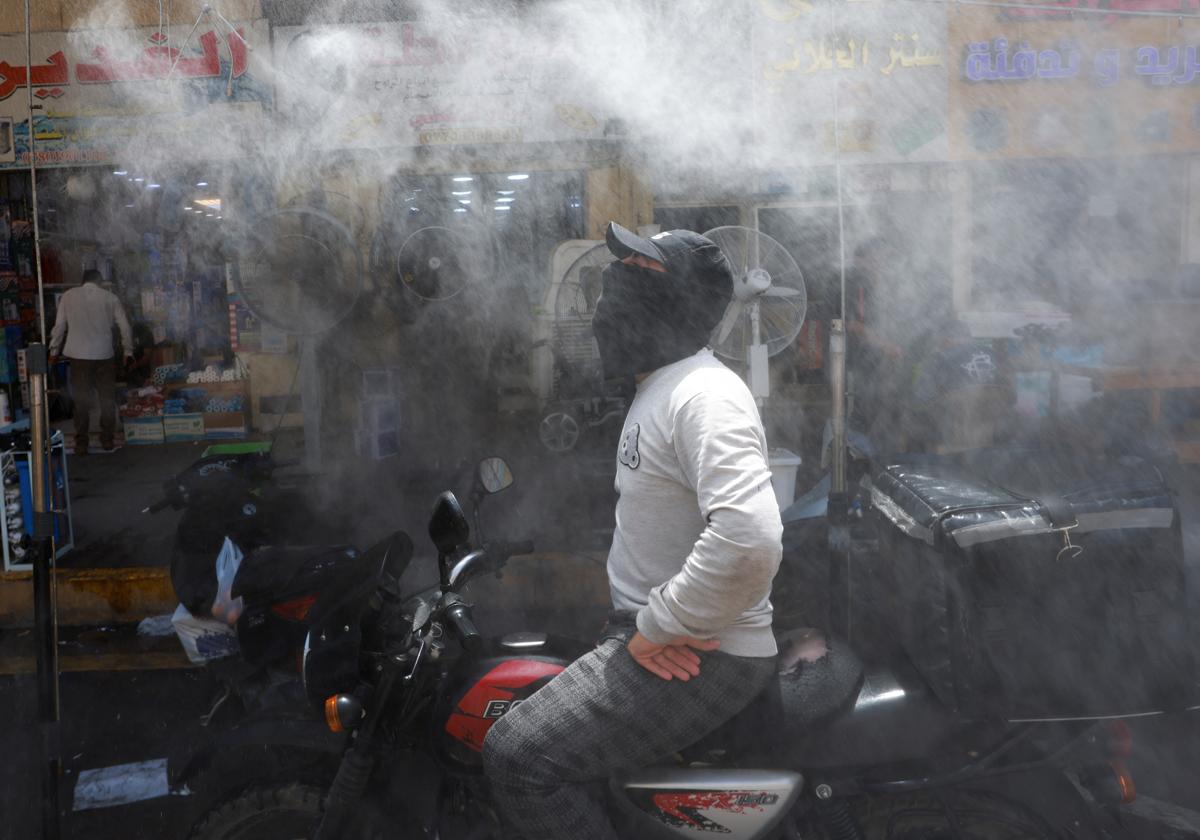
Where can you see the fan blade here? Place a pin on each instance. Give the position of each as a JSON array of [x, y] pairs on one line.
[[781, 291], [729, 321]]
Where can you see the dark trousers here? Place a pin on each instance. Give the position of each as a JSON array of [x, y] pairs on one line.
[[99, 376]]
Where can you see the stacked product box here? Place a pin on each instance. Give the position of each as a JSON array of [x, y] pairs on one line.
[[183, 428], [143, 430]]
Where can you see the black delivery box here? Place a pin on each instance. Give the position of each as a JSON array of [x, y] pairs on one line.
[[1030, 583]]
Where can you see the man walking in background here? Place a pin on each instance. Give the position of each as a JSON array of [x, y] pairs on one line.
[[86, 315]]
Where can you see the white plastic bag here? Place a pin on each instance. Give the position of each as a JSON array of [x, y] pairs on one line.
[[225, 606]]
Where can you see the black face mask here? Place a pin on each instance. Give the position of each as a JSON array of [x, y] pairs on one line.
[[640, 322]]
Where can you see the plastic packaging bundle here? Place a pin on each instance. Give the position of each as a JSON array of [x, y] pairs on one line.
[[168, 373], [143, 402], [218, 406]]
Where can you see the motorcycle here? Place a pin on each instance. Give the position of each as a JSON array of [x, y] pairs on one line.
[[407, 688], [228, 493]]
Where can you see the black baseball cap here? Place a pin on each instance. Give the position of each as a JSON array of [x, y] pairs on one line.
[[684, 253], [700, 272]]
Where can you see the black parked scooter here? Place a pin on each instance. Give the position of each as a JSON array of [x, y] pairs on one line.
[[409, 687], [289, 563]]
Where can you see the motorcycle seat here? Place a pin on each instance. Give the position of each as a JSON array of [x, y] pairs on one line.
[[277, 573], [816, 680]]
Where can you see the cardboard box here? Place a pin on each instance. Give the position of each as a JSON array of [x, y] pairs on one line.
[[179, 428], [143, 430], [230, 425]]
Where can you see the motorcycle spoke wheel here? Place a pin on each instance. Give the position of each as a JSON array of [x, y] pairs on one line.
[[954, 815], [289, 811]]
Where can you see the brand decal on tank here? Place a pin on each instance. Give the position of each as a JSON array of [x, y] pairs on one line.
[[687, 809]]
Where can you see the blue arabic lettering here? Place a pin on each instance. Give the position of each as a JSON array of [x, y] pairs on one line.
[[1107, 65], [1149, 63], [979, 62], [1024, 63], [1050, 63], [1190, 70], [1001, 68]]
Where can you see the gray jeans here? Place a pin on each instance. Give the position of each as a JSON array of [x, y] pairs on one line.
[[604, 714]]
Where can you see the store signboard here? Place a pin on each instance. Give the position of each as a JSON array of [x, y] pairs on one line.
[[880, 66], [1089, 85], [428, 84], [105, 95]]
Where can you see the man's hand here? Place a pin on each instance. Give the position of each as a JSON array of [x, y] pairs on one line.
[[670, 661], [53, 360]]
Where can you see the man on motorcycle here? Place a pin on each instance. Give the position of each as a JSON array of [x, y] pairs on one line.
[[697, 544]]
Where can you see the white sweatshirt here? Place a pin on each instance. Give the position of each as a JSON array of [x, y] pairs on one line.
[[698, 537]]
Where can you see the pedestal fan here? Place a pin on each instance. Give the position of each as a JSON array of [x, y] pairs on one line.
[[765, 316], [578, 399], [299, 270], [768, 307]]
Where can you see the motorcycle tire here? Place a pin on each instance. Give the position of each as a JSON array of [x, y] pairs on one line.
[[954, 814], [284, 811]]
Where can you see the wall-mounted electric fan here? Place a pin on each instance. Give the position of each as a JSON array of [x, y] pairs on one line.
[[438, 262]]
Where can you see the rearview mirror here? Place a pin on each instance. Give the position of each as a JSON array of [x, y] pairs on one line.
[[448, 526], [494, 475]]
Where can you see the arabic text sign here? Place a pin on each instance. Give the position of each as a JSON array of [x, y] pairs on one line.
[[890, 66], [106, 94], [990, 62], [404, 84], [1087, 85]]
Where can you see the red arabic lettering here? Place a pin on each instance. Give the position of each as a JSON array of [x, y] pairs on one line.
[[237, 49], [153, 63], [414, 51], [428, 119], [57, 72]]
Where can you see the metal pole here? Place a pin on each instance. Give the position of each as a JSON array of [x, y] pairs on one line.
[[837, 387], [45, 607], [837, 332], [838, 507], [37, 242]]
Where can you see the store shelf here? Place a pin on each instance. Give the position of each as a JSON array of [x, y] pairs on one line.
[[234, 387]]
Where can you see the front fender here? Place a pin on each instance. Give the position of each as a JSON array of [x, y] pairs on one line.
[[256, 748]]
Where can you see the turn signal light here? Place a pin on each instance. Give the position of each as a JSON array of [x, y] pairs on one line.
[[342, 712], [1124, 782]]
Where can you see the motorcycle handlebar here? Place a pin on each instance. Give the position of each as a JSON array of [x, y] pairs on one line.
[[459, 619], [504, 550]]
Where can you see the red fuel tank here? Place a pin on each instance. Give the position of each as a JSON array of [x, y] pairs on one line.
[[481, 692]]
